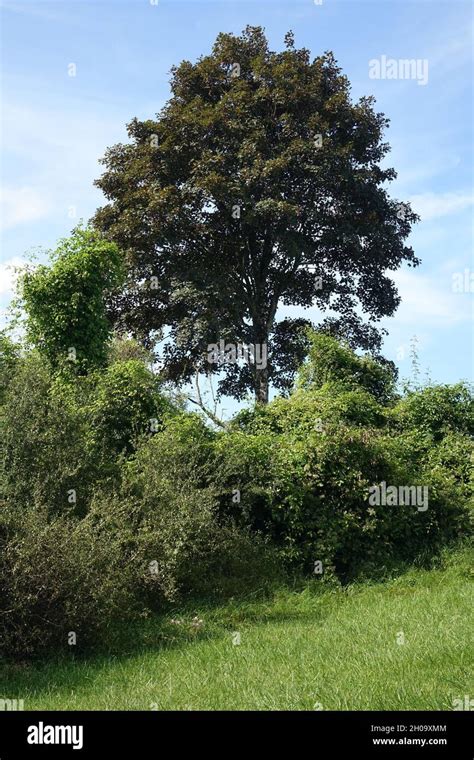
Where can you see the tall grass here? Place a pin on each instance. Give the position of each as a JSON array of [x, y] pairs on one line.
[[403, 644]]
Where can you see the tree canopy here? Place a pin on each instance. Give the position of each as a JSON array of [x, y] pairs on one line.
[[258, 185]]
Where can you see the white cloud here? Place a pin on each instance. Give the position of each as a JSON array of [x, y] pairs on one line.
[[22, 204], [8, 275], [428, 301], [411, 171], [30, 9], [434, 205], [57, 149]]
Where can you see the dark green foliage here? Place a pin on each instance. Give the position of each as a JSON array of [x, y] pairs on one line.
[[43, 441], [253, 187], [136, 549], [309, 491], [60, 575], [182, 452], [61, 435], [143, 525], [305, 464], [437, 410], [170, 480], [332, 362]]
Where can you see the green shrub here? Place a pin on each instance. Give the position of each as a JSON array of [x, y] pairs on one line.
[[180, 452], [60, 576], [67, 575], [307, 486], [309, 493], [66, 301], [170, 483], [330, 361], [44, 456], [166, 507], [308, 410], [62, 437], [448, 467], [126, 403], [9, 355], [437, 409]]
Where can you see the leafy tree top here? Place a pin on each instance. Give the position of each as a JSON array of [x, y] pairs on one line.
[[259, 184], [66, 301]]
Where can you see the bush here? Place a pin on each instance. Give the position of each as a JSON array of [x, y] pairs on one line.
[[310, 494], [304, 466], [9, 355], [330, 361], [66, 301], [44, 456], [126, 403], [197, 549], [61, 576], [62, 438], [437, 410], [156, 536], [167, 507], [308, 410], [181, 452]]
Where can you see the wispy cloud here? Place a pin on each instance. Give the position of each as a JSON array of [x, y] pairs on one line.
[[8, 275], [428, 300], [54, 155], [22, 204], [434, 205], [35, 10]]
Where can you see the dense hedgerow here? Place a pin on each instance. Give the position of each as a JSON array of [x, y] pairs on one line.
[[165, 506], [310, 494], [61, 575], [305, 464], [43, 449], [106, 507], [63, 436], [436, 410]]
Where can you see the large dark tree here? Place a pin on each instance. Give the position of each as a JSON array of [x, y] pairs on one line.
[[258, 184]]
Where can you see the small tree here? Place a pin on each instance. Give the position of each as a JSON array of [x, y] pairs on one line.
[[66, 301], [258, 184]]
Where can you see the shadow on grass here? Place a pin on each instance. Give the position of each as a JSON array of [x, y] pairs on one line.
[[177, 628]]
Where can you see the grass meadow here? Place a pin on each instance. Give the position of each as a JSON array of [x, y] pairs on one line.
[[403, 644]]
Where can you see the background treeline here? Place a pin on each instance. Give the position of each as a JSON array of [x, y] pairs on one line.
[[115, 499]]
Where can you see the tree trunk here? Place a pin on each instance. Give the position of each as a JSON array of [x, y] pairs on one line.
[[261, 385], [261, 327], [261, 366]]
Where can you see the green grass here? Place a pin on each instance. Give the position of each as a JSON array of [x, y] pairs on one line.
[[299, 650]]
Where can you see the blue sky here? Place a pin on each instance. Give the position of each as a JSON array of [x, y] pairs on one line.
[[57, 126]]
